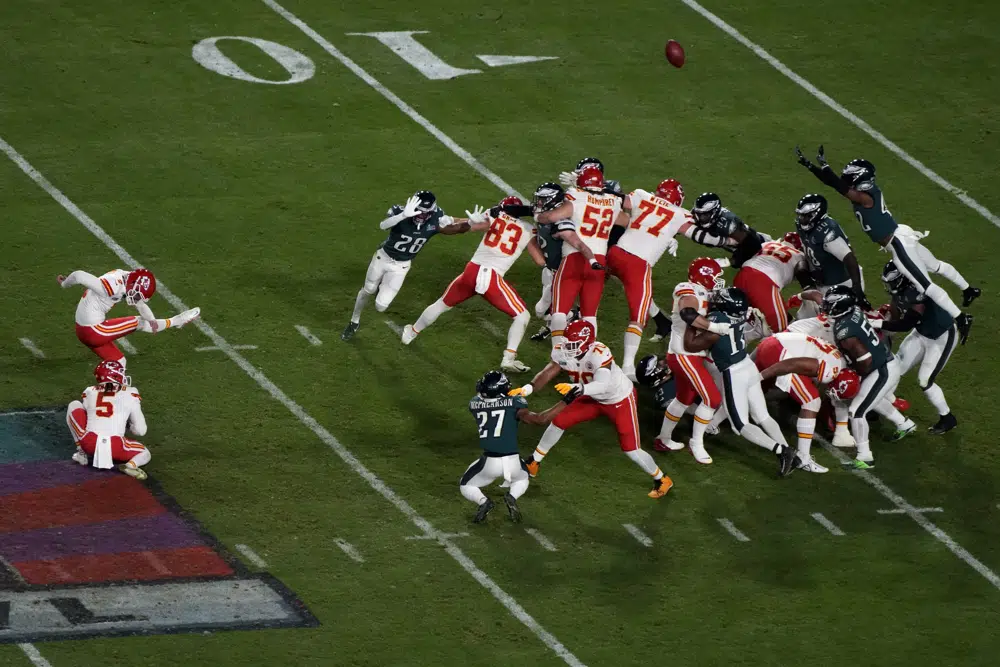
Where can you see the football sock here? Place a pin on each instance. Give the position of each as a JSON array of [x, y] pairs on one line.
[[937, 294], [773, 431], [516, 331], [702, 418], [518, 488], [951, 273], [886, 409], [142, 458], [646, 462], [936, 397], [473, 493], [633, 336], [754, 434], [548, 441], [805, 429], [859, 426], [841, 416], [557, 323], [359, 304], [146, 326], [430, 315], [675, 410]]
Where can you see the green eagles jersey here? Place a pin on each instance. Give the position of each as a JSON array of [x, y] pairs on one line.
[[552, 247], [824, 266], [877, 221], [728, 224], [934, 321], [408, 237], [497, 420], [729, 349], [855, 325]]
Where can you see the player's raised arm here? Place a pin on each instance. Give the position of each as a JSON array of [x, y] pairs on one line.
[[829, 177], [84, 279], [476, 222], [397, 214]]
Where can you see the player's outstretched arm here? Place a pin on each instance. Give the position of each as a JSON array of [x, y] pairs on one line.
[[800, 366], [544, 418], [543, 377], [83, 279], [562, 212], [827, 176], [859, 353]]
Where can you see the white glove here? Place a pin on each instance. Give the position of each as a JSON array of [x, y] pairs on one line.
[[522, 391], [672, 247], [568, 179], [412, 207], [876, 323], [720, 328], [477, 215], [723, 262]]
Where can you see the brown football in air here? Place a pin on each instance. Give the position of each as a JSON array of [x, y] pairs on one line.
[[675, 54]]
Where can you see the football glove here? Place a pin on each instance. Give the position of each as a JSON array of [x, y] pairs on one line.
[[597, 266], [564, 387], [573, 394], [672, 247], [412, 207], [720, 328], [521, 391], [803, 160], [821, 158], [567, 179], [477, 215]]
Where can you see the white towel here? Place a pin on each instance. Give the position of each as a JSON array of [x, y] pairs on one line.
[[484, 279], [907, 232], [102, 453]]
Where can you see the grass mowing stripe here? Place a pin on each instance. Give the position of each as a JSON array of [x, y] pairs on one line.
[[843, 111], [324, 435], [36, 658]]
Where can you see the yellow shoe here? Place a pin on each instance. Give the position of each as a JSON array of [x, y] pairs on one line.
[[132, 470], [661, 486], [531, 465]]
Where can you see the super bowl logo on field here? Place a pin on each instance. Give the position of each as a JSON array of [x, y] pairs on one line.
[[87, 552]]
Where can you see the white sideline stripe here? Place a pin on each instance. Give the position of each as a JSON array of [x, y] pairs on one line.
[[30, 412], [733, 530], [308, 335], [31, 347], [396, 329], [216, 348], [34, 656], [915, 514], [492, 328], [642, 537], [854, 119], [826, 523], [546, 543], [251, 555], [349, 549], [914, 509], [127, 346], [435, 536], [373, 480]]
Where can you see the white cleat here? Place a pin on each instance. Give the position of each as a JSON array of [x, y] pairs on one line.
[[811, 466], [843, 439], [513, 366], [80, 456], [408, 334], [655, 338], [712, 429], [186, 317], [699, 452]]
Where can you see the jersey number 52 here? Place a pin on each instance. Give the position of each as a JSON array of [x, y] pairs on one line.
[[597, 222]]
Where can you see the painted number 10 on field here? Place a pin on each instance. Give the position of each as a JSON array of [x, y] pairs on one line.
[[299, 67]]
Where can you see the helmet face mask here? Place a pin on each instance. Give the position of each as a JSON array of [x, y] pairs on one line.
[[579, 337], [428, 204], [810, 210], [548, 196], [494, 384], [859, 174], [707, 209], [838, 301]]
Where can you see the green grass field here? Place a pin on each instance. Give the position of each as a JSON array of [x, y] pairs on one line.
[[259, 203]]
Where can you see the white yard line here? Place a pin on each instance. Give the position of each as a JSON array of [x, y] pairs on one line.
[[34, 656], [642, 537], [826, 523], [219, 348], [435, 536], [31, 347], [546, 543], [912, 509], [396, 329], [733, 530], [349, 549], [251, 556], [127, 346], [492, 328], [376, 483], [854, 119], [31, 412], [308, 335]]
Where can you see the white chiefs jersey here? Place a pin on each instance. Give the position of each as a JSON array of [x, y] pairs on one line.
[[109, 412], [654, 222], [94, 306], [582, 370], [679, 326], [778, 261], [820, 327], [503, 242], [798, 345], [593, 216]]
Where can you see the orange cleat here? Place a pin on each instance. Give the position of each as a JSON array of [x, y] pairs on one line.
[[660, 487]]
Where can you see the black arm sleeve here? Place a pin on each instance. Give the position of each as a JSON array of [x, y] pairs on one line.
[[518, 211], [910, 319], [829, 177], [750, 246], [689, 315], [616, 233]]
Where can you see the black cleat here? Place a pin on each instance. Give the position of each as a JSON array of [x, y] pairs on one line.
[[483, 510], [350, 330], [964, 324], [573, 315], [945, 424], [512, 509], [787, 461], [541, 334], [970, 294]]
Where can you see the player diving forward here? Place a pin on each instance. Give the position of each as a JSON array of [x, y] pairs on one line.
[[98, 421], [857, 184], [136, 287], [604, 390], [498, 416], [505, 239], [764, 275], [410, 227]]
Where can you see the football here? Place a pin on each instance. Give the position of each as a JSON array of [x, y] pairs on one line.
[[675, 53]]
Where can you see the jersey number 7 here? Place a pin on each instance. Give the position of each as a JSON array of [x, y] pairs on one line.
[[648, 208]]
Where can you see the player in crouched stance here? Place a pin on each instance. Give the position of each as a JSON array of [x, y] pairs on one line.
[[136, 287], [604, 390], [98, 421], [498, 415]]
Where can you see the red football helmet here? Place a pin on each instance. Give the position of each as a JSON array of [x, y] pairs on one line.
[[670, 190], [591, 178], [706, 272], [111, 372], [846, 385], [511, 201], [580, 335], [793, 238], [140, 285]]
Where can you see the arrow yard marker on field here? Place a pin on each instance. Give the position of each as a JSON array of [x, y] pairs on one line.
[[503, 61], [423, 59]]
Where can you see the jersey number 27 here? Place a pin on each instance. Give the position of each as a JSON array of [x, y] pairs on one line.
[[484, 418]]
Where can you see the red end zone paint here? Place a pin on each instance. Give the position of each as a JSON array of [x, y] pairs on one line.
[[137, 566]]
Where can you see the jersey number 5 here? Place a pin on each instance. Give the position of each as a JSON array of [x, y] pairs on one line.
[[648, 208], [496, 232], [103, 408], [597, 222]]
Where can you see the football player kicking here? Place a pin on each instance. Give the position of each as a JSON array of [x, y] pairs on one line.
[[857, 184], [764, 275], [793, 361], [930, 343], [98, 421], [101, 294], [604, 391], [505, 239], [498, 416], [744, 398], [410, 227]]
